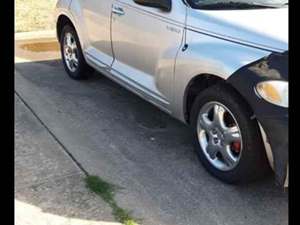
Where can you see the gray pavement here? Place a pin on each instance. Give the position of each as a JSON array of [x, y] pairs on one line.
[[116, 135], [49, 186]]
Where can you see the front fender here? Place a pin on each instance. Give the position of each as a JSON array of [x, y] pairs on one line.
[[208, 55]]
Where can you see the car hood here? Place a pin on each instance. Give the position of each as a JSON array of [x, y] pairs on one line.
[[264, 28]]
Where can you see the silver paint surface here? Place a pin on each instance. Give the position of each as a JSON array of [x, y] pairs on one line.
[[141, 47]]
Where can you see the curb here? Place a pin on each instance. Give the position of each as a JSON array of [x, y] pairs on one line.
[[36, 36]]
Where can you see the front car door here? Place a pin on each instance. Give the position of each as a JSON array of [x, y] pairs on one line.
[[145, 42]]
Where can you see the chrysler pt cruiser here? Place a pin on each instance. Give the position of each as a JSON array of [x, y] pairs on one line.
[[220, 66]]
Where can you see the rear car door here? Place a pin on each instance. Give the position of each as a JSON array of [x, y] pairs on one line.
[[145, 44], [96, 15]]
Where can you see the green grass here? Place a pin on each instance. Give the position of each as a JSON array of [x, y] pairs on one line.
[[34, 15], [107, 192]]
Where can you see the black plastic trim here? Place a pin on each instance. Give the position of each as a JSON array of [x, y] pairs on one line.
[[274, 119]]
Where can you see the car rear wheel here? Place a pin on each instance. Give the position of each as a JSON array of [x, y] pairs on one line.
[[227, 140], [72, 56]]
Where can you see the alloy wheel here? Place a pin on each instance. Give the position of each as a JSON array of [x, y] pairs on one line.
[[70, 52], [219, 136]]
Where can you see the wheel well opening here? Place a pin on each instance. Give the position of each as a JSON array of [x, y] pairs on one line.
[[196, 86], [199, 84], [61, 22]]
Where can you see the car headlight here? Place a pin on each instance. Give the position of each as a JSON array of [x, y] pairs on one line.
[[275, 91]]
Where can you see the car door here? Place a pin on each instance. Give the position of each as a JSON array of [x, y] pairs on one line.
[[96, 15], [145, 44]]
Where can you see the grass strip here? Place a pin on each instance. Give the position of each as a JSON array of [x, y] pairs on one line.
[[107, 192]]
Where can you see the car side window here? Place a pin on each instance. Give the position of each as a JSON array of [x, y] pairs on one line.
[[165, 5]]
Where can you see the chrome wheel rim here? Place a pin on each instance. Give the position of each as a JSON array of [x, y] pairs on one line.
[[219, 136], [70, 52]]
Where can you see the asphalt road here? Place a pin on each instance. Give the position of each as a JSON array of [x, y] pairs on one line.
[[116, 135]]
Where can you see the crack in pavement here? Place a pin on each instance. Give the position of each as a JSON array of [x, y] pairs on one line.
[[53, 135]]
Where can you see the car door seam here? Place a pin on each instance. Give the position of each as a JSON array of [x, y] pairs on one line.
[[111, 38]]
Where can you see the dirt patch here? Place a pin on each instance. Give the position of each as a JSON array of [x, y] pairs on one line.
[[40, 47], [36, 51]]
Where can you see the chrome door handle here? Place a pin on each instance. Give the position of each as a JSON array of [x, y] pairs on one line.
[[118, 10]]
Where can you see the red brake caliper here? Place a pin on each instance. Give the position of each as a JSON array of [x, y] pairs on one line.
[[236, 146]]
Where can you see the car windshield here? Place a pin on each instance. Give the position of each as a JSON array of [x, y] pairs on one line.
[[237, 4]]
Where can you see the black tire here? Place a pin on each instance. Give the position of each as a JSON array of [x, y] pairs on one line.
[[83, 69], [253, 164]]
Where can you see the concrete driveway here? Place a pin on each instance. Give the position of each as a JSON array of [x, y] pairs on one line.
[[116, 135]]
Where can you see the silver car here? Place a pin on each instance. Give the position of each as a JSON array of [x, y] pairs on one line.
[[220, 66]]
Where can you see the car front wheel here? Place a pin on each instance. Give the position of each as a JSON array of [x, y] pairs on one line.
[[227, 139]]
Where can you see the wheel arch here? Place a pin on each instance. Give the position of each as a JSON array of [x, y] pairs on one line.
[[61, 22], [200, 83]]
